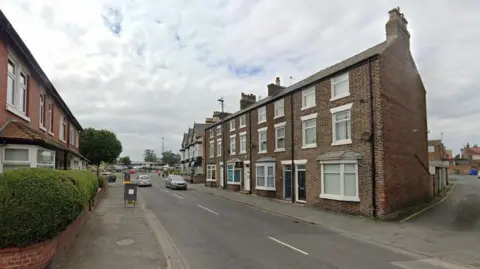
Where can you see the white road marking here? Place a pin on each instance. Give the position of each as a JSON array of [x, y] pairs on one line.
[[287, 245], [178, 196], [165, 190], [427, 264], [209, 210]]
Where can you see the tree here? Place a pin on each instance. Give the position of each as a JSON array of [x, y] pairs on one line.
[[170, 158], [149, 155], [99, 146], [125, 160]]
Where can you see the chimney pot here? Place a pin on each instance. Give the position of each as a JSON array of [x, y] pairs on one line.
[[277, 81]]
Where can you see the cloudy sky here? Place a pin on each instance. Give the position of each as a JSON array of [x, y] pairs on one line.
[[148, 69]]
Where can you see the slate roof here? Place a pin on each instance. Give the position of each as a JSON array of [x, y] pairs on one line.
[[190, 136], [184, 140], [199, 128]]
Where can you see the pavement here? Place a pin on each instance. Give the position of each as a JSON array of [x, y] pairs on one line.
[[115, 237], [204, 230]]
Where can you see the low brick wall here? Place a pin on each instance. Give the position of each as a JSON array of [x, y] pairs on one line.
[[198, 179], [211, 184], [39, 255]]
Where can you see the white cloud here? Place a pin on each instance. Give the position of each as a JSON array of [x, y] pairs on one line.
[[172, 59]]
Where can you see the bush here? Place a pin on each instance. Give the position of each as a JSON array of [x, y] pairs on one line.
[[101, 182], [36, 204]]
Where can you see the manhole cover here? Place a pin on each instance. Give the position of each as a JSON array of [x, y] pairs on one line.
[[124, 242]]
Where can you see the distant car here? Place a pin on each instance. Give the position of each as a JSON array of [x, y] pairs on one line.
[[175, 182], [111, 177], [144, 180], [132, 171]]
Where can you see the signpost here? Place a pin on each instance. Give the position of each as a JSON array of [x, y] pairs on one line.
[[130, 194]]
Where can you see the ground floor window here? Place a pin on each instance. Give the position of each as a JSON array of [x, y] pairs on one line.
[[233, 174], [198, 170], [211, 172], [265, 176], [340, 180], [23, 156]]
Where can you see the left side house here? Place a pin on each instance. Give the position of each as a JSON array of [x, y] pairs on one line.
[[37, 129]]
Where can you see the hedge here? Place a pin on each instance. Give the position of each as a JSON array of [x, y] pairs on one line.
[[38, 203]]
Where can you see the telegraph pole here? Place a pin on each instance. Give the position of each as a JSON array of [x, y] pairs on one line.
[[223, 145], [163, 145]]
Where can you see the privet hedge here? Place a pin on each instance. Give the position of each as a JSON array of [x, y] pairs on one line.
[[38, 203]]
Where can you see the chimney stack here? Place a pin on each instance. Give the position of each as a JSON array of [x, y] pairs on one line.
[[397, 26], [247, 100], [274, 88]]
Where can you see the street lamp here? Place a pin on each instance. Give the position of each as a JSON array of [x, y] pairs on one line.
[[224, 172]]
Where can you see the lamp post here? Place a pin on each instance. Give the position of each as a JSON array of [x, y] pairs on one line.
[[224, 172]]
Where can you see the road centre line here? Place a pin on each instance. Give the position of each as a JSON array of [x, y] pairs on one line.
[[178, 196], [165, 190], [209, 210], [289, 246]]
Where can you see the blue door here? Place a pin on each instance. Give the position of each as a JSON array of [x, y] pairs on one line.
[[287, 179]]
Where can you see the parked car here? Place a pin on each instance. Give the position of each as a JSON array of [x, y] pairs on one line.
[[175, 182], [132, 171], [111, 177], [144, 180]]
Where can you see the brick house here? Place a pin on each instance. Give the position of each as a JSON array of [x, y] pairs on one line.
[[350, 138], [37, 127]]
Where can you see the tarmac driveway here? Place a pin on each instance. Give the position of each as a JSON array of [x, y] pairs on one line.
[[460, 212]]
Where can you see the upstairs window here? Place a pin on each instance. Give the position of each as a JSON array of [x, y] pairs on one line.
[[279, 108], [308, 98], [262, 114], [340, 86]]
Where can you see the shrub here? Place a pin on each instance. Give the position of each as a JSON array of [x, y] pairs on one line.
[[101, 182], [37, 203]]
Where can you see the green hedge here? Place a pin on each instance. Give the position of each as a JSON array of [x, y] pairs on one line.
[[36, 204]]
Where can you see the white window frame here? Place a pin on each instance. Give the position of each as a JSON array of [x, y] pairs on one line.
[[219, 147], [50, 119], [219, 130], [333, 111], [71, 135], [279, 126], [47, 165], [43, 99], [243, 135], [62, 129], [233, 146], [262, 112], [265, 166], [232, 181], [243, 121], [212, 149], [19, 96], [279, 108], [308, 93], [431, 149], [336, 80], [232, 125], [77, 138], [340, 197], [260, 132], [211, 169], [312, 116], [211, 133]]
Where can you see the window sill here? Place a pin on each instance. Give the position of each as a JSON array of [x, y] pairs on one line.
[[311, 146], [342, 142], [233, 153], [43, 128], [17, 112], [279, 150], [262, 152], [278, 117], [339, 197], [211, 180], [263, 121], [243, 152], [265, 188], [233, 183], [306, 107], [232, 130], [63, 141], [50, 133], [242, 126], [339, 97]]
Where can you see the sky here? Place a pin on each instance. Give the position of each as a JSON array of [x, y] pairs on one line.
[[147, 69]]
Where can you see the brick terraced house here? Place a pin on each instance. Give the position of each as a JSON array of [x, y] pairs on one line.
[[350, 138], [37, 129]]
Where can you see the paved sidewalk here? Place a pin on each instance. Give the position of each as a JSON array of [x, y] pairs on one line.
[[114, 237], [449, 246]]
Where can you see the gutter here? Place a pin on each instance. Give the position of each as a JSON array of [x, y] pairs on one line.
[[372, 140]]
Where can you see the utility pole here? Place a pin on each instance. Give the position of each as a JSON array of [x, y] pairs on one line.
[[163, 145], [223, 145]]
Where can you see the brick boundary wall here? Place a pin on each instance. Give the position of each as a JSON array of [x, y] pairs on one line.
[[39, 256]]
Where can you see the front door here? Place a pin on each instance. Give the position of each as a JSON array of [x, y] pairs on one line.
[[246, 176], [287, 182], [301, 190], [221, 175]]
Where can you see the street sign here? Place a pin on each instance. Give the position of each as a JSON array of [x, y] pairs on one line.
[[130, 194]]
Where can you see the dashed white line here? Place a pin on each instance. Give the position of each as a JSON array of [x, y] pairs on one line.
[[289, 246], [165, 190], [209, 210], [178, 196]]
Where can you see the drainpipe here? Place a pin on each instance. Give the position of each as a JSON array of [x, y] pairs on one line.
[[292, 184], [224, 159], [372, 142], [204, 156], [250, 150]]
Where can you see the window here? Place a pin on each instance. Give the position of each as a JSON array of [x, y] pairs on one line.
[[243, 121], [341, 125], [71, 140], [431, 148], [42, 110], [308, 98], [16, 155], [11, 82], [232, 125], [17, 86], [262, 114], [233, 174], [45, 158], [211, 133], [50, 118], [23, 92], [243, 142], [211, 172], [340, 87], [279, 109], [77, 139], [340, 181], [309, 131], [219, 130], [219, 147], [233, 144], [63, 128], [265, 176], [212, 150], [262, 140], [280, 137]]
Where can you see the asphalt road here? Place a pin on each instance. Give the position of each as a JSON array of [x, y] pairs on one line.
[[211, 232]]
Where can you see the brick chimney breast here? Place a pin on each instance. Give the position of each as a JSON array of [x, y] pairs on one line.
[[247, 100], [273, 88], [396, 26]]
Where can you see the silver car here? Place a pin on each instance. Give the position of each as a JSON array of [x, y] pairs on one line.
[[175, 182], [144, 180]]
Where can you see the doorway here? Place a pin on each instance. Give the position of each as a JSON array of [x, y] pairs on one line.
[[221, 175], [246, 176], [301, 183], [287, 182]]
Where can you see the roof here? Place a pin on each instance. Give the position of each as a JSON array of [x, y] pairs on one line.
[[329, 71], [14, 129], [23, 50], [184, 141], [190, 135], [340, 155], [434, 142], [474, 150], [199, 128]]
